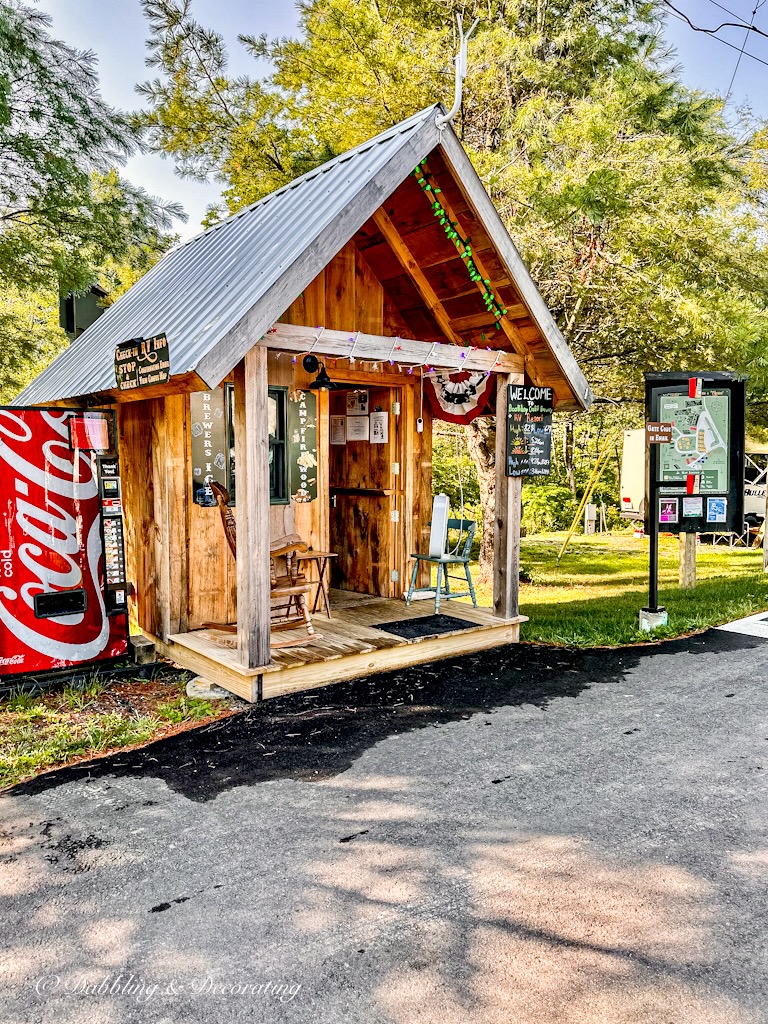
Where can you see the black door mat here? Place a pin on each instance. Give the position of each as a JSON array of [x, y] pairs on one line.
[[427, 625]]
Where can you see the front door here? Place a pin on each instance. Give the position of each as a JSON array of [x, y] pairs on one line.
[[366, 492]]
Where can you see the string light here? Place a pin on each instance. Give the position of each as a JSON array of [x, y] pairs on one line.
[[463, 245], [395, 348], [354, 341]]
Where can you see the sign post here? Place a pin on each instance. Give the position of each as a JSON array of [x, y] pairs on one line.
[[695, 429]]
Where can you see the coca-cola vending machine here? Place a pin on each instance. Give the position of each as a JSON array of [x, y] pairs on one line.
[[63, 593]]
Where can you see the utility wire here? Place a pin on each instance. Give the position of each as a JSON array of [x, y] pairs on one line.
[[743, 48], [726, 9], [717, 39], [725, 24]]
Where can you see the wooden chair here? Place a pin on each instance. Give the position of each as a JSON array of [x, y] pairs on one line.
[[458, 555], [288, 591]]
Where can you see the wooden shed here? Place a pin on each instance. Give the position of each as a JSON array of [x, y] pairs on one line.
[[386, 263]]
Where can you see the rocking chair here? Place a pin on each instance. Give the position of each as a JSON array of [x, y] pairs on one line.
[[288, 592]]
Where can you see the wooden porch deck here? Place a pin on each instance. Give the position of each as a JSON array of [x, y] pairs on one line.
[[347, 646]]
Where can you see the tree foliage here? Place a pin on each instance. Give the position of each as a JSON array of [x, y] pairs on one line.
[[640, 210], [66, 215]]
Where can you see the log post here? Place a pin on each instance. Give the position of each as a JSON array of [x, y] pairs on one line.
[[507, 513], [687, 556], [252, 499]]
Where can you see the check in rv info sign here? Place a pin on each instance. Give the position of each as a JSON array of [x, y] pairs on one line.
[[141, 362]]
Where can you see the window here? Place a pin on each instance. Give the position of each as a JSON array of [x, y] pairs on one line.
[[278, 457]]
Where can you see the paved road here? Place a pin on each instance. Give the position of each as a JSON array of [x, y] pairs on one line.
[[529, 836]]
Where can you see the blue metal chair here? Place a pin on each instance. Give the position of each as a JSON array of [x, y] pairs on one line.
[[458, 554]]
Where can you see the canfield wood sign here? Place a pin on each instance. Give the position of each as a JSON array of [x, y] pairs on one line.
[[529, 430], [141, 362]]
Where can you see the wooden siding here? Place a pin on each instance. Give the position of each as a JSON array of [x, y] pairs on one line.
[[176, 552]]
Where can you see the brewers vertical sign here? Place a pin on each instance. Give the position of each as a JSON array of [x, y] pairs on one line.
[[141, 362], [529, 430]]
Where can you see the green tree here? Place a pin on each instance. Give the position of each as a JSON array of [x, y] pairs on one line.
[[65, 212], [640, 211]]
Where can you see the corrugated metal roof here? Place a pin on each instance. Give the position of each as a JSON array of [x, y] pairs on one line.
[[202, 288]]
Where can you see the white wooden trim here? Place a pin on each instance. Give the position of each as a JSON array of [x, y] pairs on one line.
[[378, 348]]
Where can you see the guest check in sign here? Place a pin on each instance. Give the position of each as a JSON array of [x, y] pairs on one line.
[[142, 362], [529, 430]]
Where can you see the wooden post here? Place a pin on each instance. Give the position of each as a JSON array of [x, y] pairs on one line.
[[765, 528], [687, 554], [506, 523], [252, 498]]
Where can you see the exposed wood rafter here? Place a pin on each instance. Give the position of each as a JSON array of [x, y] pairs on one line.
[[513, 337], [409, 263]]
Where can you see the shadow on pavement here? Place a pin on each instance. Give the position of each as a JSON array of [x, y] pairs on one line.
[[320, 733]]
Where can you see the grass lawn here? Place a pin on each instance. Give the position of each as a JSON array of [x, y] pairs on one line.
[[72, 724], [593, 598]]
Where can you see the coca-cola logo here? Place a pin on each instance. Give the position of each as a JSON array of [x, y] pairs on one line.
[[50, 517]]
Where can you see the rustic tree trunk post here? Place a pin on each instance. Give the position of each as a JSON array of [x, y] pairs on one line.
[[481, 441], [508, 508], [687, 556], [252, 496], [765, 528]]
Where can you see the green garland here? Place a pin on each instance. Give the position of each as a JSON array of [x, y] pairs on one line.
[[463, 245]]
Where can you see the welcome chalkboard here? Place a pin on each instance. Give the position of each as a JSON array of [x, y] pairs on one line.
[[529, 430]]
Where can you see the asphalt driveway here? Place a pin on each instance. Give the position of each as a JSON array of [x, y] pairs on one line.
[[528, 835]]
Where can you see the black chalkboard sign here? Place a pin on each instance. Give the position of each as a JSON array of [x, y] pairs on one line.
[[302, 446], [141, 362], [529, 430], [210, 454]]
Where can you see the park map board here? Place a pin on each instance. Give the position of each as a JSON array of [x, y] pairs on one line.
[[695, 479], [700, 440]]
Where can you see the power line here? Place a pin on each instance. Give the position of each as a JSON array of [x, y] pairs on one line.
[[726, 9], [726, 24], [741, 54], [717, 39]]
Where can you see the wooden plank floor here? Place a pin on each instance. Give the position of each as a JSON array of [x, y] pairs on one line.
[[345, 646]]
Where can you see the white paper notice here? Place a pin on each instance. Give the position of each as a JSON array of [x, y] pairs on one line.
[[357, 403], [357, 428], [379, 427], [693, 507], [338, 429]]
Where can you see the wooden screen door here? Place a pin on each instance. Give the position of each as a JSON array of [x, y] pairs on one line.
[[366, 494]]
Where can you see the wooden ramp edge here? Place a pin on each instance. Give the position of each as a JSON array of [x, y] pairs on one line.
[[221, 665]]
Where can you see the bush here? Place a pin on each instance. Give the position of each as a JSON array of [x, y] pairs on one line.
[[547, 507]]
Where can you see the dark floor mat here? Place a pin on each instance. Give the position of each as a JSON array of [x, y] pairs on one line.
[[427, 625]]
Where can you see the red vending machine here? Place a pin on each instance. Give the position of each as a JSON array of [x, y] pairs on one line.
[[63, 593]]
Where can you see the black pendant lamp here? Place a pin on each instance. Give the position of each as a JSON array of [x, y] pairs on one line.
[[322, 381]]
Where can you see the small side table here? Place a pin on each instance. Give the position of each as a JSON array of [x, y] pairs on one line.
[[322, 558]]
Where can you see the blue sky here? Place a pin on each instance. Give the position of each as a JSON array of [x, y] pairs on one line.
[[117, 37]]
